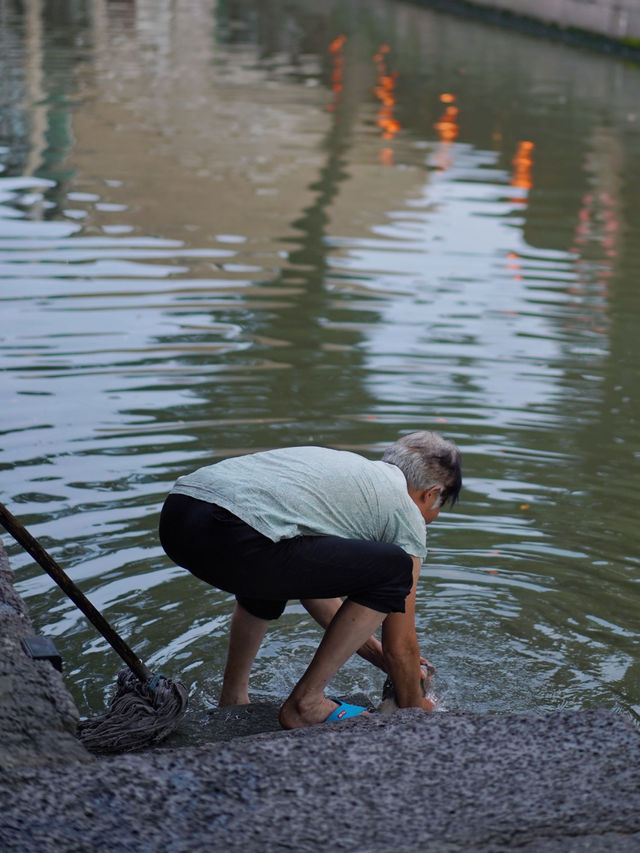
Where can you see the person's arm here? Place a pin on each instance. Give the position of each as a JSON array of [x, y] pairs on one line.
[[402, 653], [324, 609]]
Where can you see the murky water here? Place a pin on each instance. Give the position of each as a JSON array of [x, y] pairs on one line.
[[227, 227]]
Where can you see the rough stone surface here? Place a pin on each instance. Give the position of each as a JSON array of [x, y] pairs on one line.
[[224, 724], [609, 26], [409, 782], [567, 782], [38, 718], [612, 18]]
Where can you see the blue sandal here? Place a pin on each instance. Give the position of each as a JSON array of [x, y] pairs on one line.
[[344, 711]]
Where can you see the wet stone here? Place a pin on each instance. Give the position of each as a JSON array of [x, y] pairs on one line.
[[405, 782], [38, 717]]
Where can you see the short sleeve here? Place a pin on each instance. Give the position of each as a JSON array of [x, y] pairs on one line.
[[406, 528]]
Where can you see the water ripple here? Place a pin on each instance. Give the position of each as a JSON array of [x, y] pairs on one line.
[[220, 254]]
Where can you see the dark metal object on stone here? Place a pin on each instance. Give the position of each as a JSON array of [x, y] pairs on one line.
[[42, 648]]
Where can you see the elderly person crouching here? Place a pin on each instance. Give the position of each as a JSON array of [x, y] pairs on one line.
[[318, 525]]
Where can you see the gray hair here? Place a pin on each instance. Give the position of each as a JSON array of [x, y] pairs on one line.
[[427, 459]]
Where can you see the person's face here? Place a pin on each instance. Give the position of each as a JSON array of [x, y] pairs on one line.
[[430, 515], [427, 501]]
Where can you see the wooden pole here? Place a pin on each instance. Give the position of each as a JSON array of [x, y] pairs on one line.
[[46, 562]]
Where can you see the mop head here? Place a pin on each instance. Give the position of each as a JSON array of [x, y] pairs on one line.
[[140, 714]]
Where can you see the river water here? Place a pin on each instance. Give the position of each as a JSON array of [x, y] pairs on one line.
[[232, 226]]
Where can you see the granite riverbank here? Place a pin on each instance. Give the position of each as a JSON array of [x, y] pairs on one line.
[[610, 26], [566, 781]]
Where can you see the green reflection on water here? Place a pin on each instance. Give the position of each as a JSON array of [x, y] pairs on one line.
[[328, 226]]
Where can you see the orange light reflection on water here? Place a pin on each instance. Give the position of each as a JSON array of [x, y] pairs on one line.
[[337, 72], [385, 92], [448, 128], [522, 169], [514, 266], [522, 178], [447, 125]]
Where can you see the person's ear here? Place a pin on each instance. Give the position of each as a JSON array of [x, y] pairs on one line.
[[432, 496]]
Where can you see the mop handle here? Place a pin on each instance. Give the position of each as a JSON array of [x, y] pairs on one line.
[[46, 562]]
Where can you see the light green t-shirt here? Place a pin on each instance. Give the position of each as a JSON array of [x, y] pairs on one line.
[[301, 491]]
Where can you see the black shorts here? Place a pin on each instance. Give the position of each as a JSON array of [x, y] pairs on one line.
[[221, 549]]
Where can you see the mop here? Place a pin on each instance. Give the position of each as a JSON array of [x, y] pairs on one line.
[[145, 707]]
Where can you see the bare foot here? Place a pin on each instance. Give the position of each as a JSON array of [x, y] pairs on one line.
[[302, 713]]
